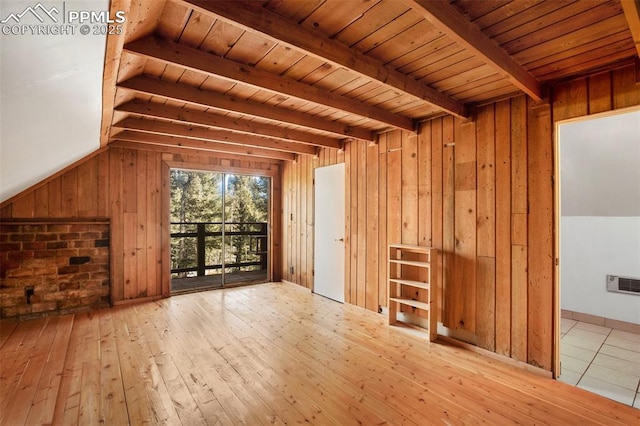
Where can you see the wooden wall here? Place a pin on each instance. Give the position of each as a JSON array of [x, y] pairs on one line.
[[126, 185], [482, 191]]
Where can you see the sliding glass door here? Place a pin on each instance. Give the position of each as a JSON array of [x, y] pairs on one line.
[[219, 229]]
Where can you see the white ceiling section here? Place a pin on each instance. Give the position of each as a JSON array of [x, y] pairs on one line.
[[51, 95]]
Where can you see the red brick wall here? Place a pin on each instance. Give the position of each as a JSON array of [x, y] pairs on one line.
[[66, 265]]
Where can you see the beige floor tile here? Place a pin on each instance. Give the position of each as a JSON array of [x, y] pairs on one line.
[[580, 342], [621, 353], [618, 364], [566, 324], [624, 344], [619, 334], [576, 352], [637, 401], [587, 335], [608, 390], [593, 328], [626, 380], [570, 363], [569, 377]]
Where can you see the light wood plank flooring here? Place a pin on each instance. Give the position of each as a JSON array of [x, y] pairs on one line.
[[263, 354]]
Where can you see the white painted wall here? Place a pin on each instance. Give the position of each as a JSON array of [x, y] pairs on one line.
[[591, 248], [51, 98], [600, 213]]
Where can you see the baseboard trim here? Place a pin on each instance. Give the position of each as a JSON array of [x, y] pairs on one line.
[[601, 321], [523, 365]]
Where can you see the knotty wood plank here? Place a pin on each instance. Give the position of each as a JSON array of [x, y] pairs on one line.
[[372, 218], [625, 87], [448, 222], [87, 191], [17, 381], [306, 192], [503, 228], [24, 207], [540, 289], [464, 292], [519, 209], [382, 219], [349, 223], [43, 405], [486, 227], [141, 277], [599, 93], [436, 207], [41, 201], [361, 263], [309, 222], [153, 247], [69, 188], [130, 255], [116, 170], [570, 99]]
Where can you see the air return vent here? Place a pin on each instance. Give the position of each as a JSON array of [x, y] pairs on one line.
[[623, 284]]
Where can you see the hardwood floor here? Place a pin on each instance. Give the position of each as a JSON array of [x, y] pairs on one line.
[[269, 353]]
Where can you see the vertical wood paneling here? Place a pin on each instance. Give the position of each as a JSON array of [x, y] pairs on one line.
[[443, 194], [116, 170], [361, 290], [540, 240], [348, 221], [371, 169], [141, 226], [448, 217], [353, 206], [436, 204], [463, 302], [503, 228], [519, 229], [486, 228], [382, 219]]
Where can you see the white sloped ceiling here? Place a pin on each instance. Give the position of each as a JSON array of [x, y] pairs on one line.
[[51, 97]]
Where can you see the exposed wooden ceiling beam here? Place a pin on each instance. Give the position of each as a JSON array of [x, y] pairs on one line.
[[161, 140], [631, 10], [201, 62], [448, 20], [259, 20], [189, 94], [156, 110], [191, 151], [213, 135]]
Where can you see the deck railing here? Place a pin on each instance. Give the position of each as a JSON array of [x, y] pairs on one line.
[[256, 244]]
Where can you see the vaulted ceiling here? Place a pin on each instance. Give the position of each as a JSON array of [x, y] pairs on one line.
[[281, 78]]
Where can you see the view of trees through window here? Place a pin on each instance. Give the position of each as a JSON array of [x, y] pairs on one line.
[[198, 200]]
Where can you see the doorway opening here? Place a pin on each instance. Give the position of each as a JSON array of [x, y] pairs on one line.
[[598, 237], [219, 232]]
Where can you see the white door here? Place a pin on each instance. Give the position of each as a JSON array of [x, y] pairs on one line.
[[329, 232]]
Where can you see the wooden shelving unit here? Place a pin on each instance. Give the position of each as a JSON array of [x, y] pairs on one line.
[[412, 282]]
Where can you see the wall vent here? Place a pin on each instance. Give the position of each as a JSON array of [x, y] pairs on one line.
[[623, 284]]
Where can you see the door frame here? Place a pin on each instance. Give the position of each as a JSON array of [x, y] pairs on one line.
[[557, 216]]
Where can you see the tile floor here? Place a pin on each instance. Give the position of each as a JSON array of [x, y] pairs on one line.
[[601, 360]]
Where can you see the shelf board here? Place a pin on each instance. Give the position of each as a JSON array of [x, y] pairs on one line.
[[411, 302], [410, 263], [412, 248], [412, 283]]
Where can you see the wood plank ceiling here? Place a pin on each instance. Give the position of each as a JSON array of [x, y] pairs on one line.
[[281, 78]]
